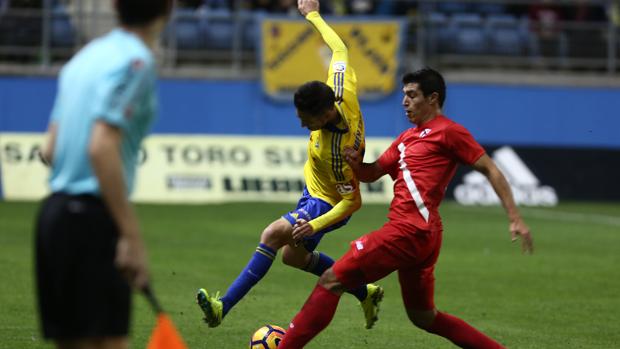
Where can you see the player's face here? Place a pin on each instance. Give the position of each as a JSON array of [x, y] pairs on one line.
[[312, 122], [417, 107]]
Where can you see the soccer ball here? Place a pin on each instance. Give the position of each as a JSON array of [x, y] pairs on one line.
[[267, 337]]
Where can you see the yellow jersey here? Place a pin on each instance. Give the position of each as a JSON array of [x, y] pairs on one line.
[[327, 175]]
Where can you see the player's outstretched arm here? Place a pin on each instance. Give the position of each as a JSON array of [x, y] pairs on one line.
[[365, 172], [310, 10], [518, 228]]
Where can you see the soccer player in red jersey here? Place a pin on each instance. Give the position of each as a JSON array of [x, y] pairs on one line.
[[422, 161]]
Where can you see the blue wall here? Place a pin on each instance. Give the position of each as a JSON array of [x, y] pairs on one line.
[[496, 114]]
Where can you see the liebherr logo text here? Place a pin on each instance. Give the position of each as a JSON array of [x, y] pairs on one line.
[[525, 186]]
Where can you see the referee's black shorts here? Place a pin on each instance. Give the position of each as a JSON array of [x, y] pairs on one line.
[[80, 292]]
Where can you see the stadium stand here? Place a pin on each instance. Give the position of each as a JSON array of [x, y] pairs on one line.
[[571, 35], [506, 35]]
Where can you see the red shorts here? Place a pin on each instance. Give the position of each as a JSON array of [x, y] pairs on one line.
[[377, 254]]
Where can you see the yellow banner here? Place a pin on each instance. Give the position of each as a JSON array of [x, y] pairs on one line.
[[293, 53], [193, 169]]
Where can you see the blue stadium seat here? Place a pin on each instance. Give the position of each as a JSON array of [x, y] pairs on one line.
[[250, 29], [505, 37], [62, 31], [470, 36], [187, 33], [489, 8], [218, 28], [217, 4], [440, 33]]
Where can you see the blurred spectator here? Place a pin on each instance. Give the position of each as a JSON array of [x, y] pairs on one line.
[[546, 19], [360, 7]]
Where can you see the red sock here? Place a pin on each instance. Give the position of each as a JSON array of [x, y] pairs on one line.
[[461, 333], [315, 315]]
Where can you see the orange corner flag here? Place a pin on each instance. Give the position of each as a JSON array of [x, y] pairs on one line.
[[164, 335]]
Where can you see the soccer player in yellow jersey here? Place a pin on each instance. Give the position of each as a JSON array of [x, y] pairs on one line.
[[331, 112]]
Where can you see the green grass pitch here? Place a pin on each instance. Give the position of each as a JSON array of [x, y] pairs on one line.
[[567, 295]]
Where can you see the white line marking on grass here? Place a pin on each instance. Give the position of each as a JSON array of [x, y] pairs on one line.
[[564, 216], [573, 216]]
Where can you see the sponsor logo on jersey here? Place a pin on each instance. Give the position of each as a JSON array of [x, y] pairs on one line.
[[339, 67], [345, 188], [359, 245], [425, 132], [526, 188]]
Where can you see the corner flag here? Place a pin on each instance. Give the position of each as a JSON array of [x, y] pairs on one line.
[[165, 335]]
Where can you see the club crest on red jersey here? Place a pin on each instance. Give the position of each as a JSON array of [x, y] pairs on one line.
[[425, 132]]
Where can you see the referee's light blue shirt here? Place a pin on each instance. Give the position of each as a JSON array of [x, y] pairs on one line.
[[112, 79]]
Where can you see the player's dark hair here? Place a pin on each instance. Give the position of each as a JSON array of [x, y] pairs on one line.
[[429, 81], [141, 12], [314, 98]]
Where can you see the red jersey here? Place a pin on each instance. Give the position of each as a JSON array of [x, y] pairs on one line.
[[422, 161]]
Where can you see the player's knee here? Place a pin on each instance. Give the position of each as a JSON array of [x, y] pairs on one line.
[[293, 258], [331, 282], [421, 319]]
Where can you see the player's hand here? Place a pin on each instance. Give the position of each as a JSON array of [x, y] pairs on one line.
[[519, 230], [307, 6], [353, 158], [131, 260], [301, 229]]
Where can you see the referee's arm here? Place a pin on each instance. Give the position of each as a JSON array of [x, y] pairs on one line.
[[47, 153], [105, 155]]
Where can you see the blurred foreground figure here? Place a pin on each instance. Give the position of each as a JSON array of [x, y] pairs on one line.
[[89, 249]]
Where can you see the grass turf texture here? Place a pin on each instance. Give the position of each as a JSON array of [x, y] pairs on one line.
[[564, 296]]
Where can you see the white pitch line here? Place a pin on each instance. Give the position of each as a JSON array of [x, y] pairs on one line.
[[567, 216]]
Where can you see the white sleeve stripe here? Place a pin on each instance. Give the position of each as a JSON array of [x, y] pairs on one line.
[[338, 82], [336, 86], [413, 189]]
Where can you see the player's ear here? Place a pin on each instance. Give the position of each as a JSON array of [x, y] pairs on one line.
[[434, 98]]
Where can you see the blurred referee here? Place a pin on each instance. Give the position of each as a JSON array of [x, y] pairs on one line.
[[89, 250]]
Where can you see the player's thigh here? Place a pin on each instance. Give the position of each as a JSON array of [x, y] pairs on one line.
[[417, 288], [417, 280], [277, 234], [368, 259]]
